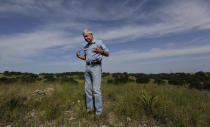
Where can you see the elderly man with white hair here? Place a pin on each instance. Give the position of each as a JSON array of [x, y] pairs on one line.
[[94, 50]]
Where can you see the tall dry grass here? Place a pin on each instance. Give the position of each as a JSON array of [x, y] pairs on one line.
[[127, 104]]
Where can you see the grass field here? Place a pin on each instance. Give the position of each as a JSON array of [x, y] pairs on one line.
[[57, 104]]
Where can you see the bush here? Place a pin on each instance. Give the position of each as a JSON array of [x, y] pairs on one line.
[[49, 78], [148, 102], [5, 80], [105, 74], [6, 73], [110, 81], [196, 83], [142, 80], [175, 81], [120, 78], [207, 84], [159, 81], [29, 78]]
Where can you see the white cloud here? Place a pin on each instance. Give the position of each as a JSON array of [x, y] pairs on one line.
[[28, 44], [176, 17], [175, 60], [71, 9], [169, 65], [133, 55], [204, 26], [17, 48]]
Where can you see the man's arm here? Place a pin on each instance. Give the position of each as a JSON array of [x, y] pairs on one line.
[[105, 53], [79, 56], [99, 50]]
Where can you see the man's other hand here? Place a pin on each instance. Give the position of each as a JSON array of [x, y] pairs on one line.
[[78, 54], [97, 50]]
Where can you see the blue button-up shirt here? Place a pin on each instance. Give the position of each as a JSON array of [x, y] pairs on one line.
[[90, 54]]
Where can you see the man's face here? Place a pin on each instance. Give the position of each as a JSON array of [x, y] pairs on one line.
[[88, 37]]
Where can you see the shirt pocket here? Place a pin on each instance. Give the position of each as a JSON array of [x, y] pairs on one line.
[[85, 50]]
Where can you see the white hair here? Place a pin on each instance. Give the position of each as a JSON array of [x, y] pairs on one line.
[[87, 31]]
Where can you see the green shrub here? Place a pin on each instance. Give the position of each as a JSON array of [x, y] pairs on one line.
[[159, 81], [142, 80], [5, 80], [110, 81], [148, 102]]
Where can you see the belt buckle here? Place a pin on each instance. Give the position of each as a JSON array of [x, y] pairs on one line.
[[89, 63]]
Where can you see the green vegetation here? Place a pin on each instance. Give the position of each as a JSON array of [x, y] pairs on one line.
[[51, 100]]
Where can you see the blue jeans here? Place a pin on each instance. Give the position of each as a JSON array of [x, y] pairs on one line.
[[93, 88]]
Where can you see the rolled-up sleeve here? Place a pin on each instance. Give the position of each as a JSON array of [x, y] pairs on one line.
[[103, 46]]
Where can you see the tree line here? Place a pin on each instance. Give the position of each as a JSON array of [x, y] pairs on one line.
[[13, 77], [199, 80]]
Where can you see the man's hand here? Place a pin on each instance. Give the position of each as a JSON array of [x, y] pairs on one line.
[[79, 56], [98, 50]]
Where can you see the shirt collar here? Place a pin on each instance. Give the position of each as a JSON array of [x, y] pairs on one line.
[[93, 41]]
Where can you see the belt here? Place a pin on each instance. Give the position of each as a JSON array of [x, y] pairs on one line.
[[93, 62]]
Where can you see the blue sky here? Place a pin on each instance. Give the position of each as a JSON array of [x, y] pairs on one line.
[[143, 36]]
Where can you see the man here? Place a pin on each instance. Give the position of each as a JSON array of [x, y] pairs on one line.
[[93, 53]]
